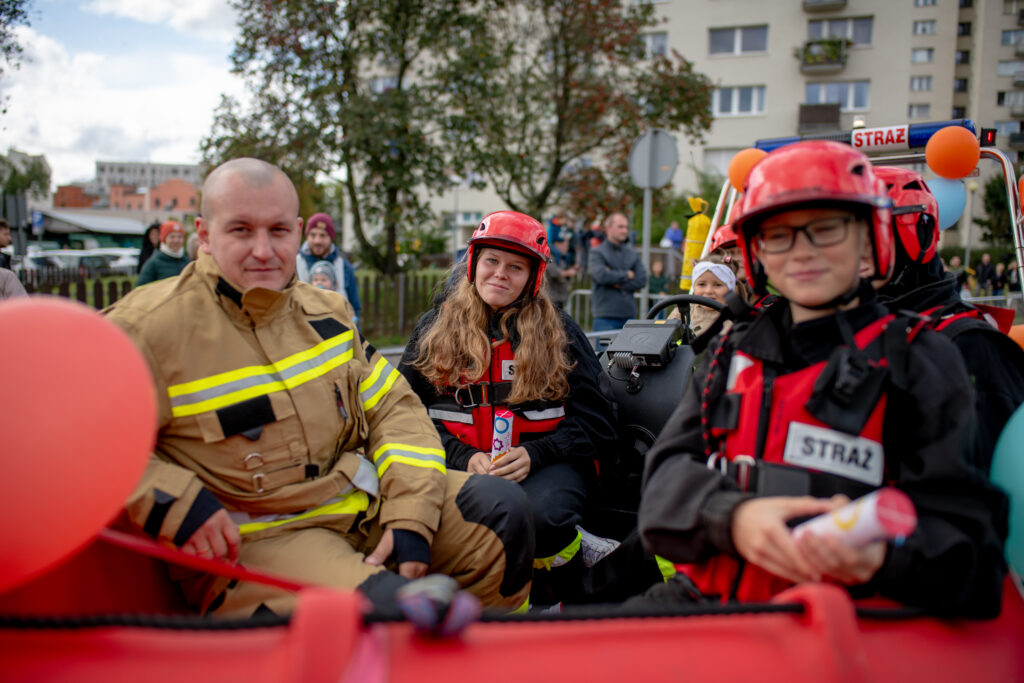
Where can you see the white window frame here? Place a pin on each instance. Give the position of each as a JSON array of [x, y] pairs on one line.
[[920, 83], [924, 27], [757, 97], [1009, 67], [847, 33], [924, 3], [649, 40], [850, 94], [919, 111], [737, 40], [1015, 35], [929, 51]]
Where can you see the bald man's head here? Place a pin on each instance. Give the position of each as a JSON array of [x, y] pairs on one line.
[[250, 223], [254, 173]]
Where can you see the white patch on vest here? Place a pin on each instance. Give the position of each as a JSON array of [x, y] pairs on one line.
[[450, 416], [508, 369], [827, 450], [738, 364], [548, 414]]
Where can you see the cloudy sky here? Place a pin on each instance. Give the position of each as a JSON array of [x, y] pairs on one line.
[[132, 80]]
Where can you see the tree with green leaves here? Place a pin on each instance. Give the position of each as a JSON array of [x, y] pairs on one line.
[[347, 87], [13, 13], [546, 97], [996, 226]]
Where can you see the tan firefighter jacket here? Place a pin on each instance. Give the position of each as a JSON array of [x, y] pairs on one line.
[[273, 402]]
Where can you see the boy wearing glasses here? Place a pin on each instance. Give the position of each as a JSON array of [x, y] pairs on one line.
[[822, 398]]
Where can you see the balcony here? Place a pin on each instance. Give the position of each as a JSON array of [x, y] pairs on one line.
[[1020, 18], [1017, 111], [824, 5], [1018, 79], [822, 56], [1018, 50], [817, 118], [1016, 140]]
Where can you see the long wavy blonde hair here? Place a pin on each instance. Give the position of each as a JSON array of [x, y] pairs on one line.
[[457, 348]]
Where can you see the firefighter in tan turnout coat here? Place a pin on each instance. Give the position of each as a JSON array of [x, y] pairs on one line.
[[286, 441]]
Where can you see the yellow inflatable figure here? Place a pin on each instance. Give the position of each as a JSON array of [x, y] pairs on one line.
[[696, 233]]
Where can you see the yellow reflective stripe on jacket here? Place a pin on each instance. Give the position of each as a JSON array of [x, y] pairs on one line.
[[562, 557], [234, 386], [351, 504], [417, 456], [380, 381], [668, 570]]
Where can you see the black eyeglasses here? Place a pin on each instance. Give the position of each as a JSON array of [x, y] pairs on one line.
[[823, 232]]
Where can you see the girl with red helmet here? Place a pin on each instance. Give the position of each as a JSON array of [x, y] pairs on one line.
[[496, 343], [822, 397]]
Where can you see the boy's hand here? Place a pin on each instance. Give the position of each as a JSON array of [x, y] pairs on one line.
[[761, 536]]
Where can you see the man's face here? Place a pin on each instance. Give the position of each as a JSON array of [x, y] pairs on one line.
[[617, 229], [5, 236], [319, 241], [252, 232], [986, 259]]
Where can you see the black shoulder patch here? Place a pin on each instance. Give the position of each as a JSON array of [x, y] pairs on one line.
[[328, 327], [370, 350], [246, 415]]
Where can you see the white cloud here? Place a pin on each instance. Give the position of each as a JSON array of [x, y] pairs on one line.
[[140, 106], [212, 19]]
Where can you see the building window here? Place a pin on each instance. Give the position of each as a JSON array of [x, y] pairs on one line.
[[962, 57], [717, 161], [1004, 129], [1013, 37], [919, 111], [858, 30], [924, 3], [963, 28], [1009, 68], [654, 44], [738, 40], [920, 82], [959, 112], [924, 28], [964, 4], [850, 95], [744, 100], [922, 55], [382, 84], [1012, 6], [959, 85], [1013, 98], [156, 202]]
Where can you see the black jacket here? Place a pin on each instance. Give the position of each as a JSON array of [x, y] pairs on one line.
[[588, 429], [952, 563], [995, 364]]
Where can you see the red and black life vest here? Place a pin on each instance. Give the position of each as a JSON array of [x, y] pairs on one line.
[[774, 431], [468, 412]]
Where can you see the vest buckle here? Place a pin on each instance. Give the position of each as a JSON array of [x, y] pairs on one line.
[[469, 393], [744, 464]]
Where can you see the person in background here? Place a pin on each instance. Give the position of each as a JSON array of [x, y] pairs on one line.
[[10, 285], [323, 276], [192, 246], [170, 259], [150, 243], [984, 274], [319, 246], [674, 234], [617, 272], [999, 279], [559, 274], [658, 281], [5, 241]]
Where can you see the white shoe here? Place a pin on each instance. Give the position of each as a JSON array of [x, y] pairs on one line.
[[595, 548]]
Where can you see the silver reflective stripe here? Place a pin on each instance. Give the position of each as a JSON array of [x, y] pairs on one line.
[[548, 414], [450, 415], [266, 377], [366, 477]]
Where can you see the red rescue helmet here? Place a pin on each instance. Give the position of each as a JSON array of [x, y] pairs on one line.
[[515, 232], [915, 213], [815, 173], [725, 236]]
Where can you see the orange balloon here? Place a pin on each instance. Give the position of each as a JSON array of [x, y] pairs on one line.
[[1017, 335], [739, 167], [952, 152], [77, 424]]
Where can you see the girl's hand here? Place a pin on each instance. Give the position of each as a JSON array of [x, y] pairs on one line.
[[761, 536], [846, 565], [514, 465], [479, 463]]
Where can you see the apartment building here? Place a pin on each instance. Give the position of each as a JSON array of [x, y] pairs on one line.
[[792, 67], [140, 174]]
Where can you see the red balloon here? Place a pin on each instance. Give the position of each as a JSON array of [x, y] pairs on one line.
[[1020, 188], [952, 152], [739, 167], [77, 424]]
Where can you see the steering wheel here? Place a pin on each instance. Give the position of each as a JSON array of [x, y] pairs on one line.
[[678, 299]]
